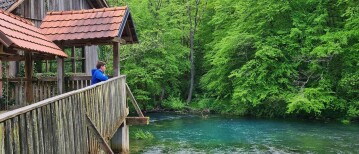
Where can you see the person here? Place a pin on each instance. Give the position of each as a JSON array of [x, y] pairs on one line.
[[98, 74]]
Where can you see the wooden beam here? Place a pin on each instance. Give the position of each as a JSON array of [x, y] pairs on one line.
[[16, 79], [98, 136], [22, 58], [13, 55], [44, 57], [116, 69], [28, 76], [86, 42], [60, 74], [137, 120], [133, 101], [8, 51], [5, 40], [12, 58], [90, 3], [15, 5]]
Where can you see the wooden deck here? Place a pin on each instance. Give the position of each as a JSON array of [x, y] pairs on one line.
[[80, 121]]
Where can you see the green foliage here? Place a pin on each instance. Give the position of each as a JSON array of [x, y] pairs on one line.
[[139, 134], [174, 103], [264, 58], [155, 67], [278, 59], [203, 103]]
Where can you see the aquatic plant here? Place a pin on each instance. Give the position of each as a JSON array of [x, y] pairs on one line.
[[143, 135]]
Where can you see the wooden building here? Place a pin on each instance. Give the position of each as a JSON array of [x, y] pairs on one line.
[[93, 119], [35, 11]]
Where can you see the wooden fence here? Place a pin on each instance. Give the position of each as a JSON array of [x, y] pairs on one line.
[[80, 121]]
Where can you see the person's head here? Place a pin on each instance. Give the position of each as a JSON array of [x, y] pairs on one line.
[[101, 66]]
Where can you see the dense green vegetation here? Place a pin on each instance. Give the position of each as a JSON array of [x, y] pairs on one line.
[[264, 58]]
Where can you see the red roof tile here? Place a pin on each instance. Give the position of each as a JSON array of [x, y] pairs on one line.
[[85, 24], [23, 34]]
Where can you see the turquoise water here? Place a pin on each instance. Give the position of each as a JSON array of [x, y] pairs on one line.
[[218, 134]]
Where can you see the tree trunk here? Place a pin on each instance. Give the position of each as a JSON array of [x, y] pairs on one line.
[[192, 27], [190, 91], [159, 105], [189, 98]]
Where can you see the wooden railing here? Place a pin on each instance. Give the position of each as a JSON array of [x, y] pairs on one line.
[[43, 88], [77, 82], [68, 123]]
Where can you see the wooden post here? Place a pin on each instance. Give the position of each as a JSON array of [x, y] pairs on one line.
[[116, 59], [28, 76], [60, 74], [73, 60], [120, 141], [47, 66], [1, 50], [0, 78]]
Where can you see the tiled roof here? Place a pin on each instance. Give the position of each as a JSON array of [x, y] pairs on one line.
[[85, 24], [20, 33]]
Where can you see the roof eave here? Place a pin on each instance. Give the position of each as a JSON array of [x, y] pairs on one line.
[[134, 33], [125, 18]]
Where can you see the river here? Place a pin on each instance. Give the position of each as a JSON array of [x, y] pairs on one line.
[[176, 133]]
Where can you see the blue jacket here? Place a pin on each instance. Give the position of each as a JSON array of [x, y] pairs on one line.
[[98, 76]]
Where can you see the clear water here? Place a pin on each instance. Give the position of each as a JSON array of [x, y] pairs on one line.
[[218, 134]]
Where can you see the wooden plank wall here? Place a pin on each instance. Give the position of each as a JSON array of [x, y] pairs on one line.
[[58, 124]]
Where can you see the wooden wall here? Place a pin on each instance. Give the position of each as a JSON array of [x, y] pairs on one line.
[[35, 10]]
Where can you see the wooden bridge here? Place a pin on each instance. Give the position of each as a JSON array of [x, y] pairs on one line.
[[80, 121]]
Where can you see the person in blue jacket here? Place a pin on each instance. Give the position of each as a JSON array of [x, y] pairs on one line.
[[98, 74]]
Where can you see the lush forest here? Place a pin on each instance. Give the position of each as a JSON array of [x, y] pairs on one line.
[[264, 58]]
